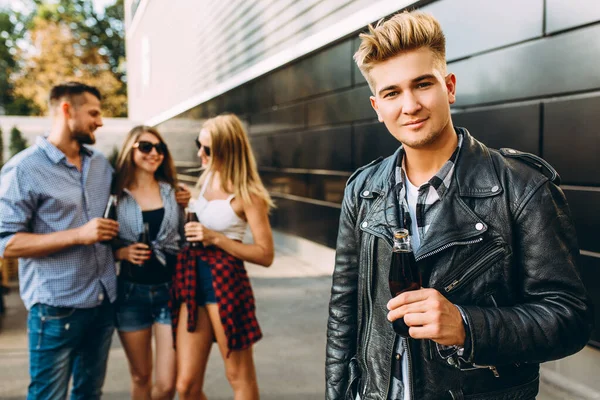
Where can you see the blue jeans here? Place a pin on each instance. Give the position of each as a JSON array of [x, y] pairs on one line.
[[65, 341]]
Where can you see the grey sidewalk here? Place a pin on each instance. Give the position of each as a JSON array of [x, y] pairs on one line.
[[292, 297], [292, 311]]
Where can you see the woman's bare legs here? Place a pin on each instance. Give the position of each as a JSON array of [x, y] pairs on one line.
[[166, 367], [239, 366], [138, 349], [193, 349]]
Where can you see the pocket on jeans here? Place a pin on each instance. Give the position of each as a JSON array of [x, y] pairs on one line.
[[48, 325], [55, 313]]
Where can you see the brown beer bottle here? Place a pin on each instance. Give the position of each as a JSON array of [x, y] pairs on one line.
[[190, 216], [145, 237], [404, 273], [110, 212]]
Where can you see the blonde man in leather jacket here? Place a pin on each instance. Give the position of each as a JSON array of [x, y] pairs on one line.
[[496, 247]]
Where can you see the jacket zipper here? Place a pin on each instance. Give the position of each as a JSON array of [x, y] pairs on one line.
[[471, 272], [490, 367], [472, 260], [404, 341], [406, 347], [451, 287], [369, 308], [447, 246], [473, 269]]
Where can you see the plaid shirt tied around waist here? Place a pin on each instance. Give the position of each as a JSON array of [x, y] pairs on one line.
[[233, 292]]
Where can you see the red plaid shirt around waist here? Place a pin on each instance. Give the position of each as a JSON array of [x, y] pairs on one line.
[[233, 292]]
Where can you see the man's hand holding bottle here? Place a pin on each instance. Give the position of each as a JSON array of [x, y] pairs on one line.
[[97, 230]]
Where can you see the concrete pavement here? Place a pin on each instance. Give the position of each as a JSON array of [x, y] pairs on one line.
[[292, 302], [292, 298]]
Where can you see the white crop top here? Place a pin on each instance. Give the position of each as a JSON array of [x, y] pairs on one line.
[[218, 215]]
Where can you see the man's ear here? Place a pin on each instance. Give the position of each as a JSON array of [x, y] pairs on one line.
[[451, 87], [66, 109], [374, 105]]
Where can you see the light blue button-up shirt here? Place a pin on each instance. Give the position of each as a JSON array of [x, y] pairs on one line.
[[41, 192], [131, 222]]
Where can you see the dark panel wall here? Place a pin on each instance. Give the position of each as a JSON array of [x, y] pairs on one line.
[[512, 126], [584, 204], [472, 26], [318, 74], [572, 140], [590, 274], [530, 84], [555, 65]]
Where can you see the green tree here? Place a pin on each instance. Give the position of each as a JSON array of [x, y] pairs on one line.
[[1, 148], [17, 141], [68, 40], [12, 31], [7, 59]]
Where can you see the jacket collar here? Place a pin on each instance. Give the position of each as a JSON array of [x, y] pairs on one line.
[[474, 176], [474, 173]]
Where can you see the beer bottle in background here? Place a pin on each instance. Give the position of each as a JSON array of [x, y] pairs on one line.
[[110, 212], [404, 273], [145, 237], [190, 216]]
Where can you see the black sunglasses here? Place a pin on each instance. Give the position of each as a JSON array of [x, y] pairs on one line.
[[146, 147], [206, 148]]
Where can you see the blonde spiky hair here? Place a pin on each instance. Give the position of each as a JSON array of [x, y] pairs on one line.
[[403, 32]]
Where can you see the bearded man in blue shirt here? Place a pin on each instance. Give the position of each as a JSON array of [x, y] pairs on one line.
[[52, 198]]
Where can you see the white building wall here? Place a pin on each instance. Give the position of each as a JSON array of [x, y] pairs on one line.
[[181, 53]]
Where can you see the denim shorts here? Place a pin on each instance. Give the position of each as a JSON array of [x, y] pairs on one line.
[[140, 306], [205, 293]]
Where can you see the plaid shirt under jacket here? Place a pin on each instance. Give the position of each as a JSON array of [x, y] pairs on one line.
[[428, 201], [233, 292]]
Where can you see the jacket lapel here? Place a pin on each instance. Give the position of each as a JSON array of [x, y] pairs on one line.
[[475, 176], [455, 222], [382, 219]]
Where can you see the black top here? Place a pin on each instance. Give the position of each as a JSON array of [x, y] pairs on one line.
[[152, 272]]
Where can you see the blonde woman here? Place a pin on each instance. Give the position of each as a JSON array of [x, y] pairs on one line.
[[146, 186], [220, 305]]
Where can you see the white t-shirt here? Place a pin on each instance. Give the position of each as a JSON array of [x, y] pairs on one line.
[[412, 194]]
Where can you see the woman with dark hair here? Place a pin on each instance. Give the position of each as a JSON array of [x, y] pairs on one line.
[[211, 294], [150, 221]]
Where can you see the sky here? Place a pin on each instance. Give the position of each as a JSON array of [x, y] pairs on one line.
[[99, 5]]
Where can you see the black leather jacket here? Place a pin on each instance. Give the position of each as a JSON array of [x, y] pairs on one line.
[[503, 247]]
